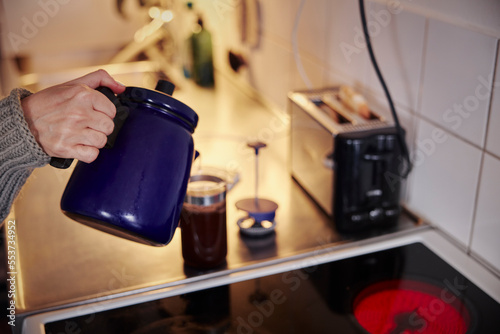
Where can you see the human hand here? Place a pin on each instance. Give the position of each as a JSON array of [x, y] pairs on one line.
[[73, 120]]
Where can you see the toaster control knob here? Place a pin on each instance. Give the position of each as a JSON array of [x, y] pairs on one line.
[[376, 214], [390, 143], [392, 212], [374, 193], [359, 217]]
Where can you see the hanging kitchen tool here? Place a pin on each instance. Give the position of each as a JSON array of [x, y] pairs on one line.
[[251, 23], [136, 187], [260, 211]]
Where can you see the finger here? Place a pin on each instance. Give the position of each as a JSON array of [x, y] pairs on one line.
[[86, 153], [102, 104], [98, 121], [83, 99], [92, 138], [100, 78], [82, 145]]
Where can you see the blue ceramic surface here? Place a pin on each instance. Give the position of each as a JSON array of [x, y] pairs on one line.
[[136, 188]]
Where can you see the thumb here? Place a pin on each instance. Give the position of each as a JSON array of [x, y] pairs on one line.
[[100, 78]]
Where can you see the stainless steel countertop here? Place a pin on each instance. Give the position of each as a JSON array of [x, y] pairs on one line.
[[61, 262]]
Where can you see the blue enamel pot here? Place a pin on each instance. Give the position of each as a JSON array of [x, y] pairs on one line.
[[136, 187]]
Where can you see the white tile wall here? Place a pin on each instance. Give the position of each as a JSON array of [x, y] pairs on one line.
[[312, 49], [347, 54], [313, 70], [457, 62], [444, 180], [398, 44], [270, 72], [435, 56], [311, 29], [487, 225], [493, 139], [278, 18], [480, 14]]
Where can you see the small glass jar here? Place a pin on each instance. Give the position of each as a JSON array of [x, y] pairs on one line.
[[203, 222]]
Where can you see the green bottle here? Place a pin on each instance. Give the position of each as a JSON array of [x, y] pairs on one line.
[[201, 51]]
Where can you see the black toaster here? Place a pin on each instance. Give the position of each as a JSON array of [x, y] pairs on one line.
[[348, 164]]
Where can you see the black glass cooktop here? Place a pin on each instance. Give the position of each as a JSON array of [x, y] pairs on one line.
[[408, 290]]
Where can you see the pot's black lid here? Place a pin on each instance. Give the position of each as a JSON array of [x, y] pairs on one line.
[[160, 98]]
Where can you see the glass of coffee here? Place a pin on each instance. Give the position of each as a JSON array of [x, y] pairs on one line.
[[203, 222]]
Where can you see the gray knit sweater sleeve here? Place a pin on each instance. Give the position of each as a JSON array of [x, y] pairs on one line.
[[19, 151]]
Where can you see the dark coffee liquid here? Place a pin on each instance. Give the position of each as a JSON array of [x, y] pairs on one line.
[[204, 234]]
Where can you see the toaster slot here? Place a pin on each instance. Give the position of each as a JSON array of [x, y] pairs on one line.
[[374, 116], [354, 117], [336, 115]]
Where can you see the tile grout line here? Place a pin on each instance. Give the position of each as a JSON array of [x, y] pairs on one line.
[[416, 112], [490, 111], [483, 153], [448, 132]]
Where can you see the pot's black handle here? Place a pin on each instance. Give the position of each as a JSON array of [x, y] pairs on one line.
[[60, 163], [122, 113]]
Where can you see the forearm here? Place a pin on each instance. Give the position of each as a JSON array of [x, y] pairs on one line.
[[19, 151]]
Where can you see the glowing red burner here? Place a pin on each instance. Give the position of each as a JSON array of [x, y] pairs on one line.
[[410, 307]]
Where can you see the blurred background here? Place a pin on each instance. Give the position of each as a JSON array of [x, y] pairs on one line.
[[440, 60]]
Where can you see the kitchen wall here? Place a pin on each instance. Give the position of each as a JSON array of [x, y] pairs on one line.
[[441, 63], [53, 35]]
